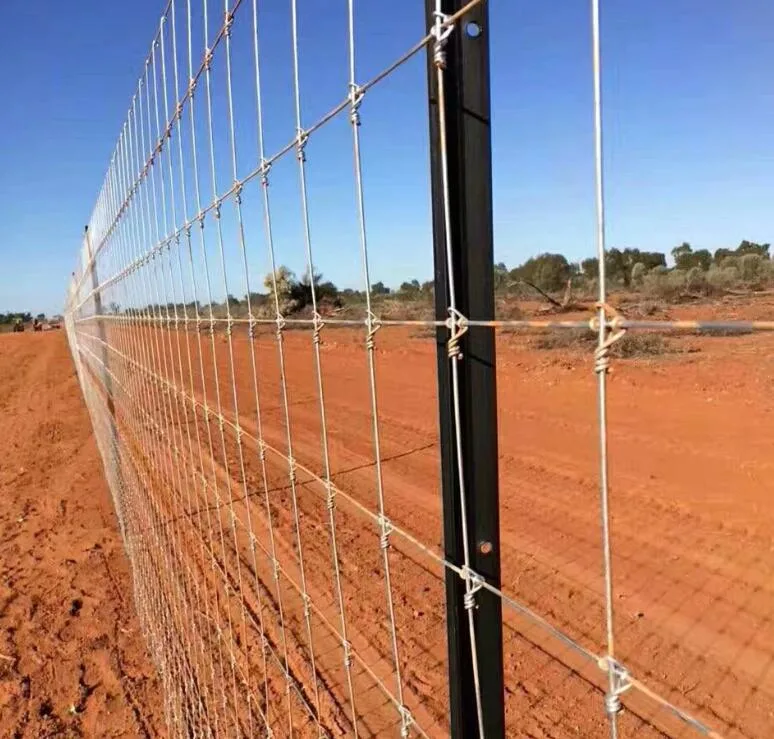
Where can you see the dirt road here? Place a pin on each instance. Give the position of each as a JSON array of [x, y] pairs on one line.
[[692, 524], [72, 659]]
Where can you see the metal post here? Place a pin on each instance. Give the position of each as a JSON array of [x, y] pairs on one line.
[[468, 151]]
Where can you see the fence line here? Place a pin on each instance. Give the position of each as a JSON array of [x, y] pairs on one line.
[[243, 541]]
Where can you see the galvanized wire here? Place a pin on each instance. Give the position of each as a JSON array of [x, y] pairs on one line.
[[220, 626]]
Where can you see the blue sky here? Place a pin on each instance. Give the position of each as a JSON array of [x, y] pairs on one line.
[[688, 117]]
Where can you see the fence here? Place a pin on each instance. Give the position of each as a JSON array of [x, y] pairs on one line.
[[290, 576]]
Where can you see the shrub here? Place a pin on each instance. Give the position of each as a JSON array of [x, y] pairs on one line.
[[696, 280], [632, 344], [639, 271], [750, 267], [721, 279], [730, 263], [640, 345], [665, 285], [722, 331]]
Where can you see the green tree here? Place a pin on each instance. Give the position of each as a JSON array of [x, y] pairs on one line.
[[686, 258], [751, 247], [682, 255], [410, 288], [501, 277], [590, 268], [545, 271]]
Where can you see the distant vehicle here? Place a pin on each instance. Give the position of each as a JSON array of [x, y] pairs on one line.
[[18, 326], [37, 325]]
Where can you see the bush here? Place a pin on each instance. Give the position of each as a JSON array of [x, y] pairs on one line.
[[750, 267], [730, 263], [696, 280], [665, 285], [640, 345], [639, 271], [721, 279], [632, 344]]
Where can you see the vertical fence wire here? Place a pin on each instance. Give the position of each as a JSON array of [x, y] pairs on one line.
[[612, 699]]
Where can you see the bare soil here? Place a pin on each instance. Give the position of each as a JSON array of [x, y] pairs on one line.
[[692, 524], [72, 659]]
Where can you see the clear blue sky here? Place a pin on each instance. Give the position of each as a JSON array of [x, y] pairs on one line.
[[689, 130]]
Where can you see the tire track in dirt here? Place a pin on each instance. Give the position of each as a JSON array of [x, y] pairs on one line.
[[698, 577]]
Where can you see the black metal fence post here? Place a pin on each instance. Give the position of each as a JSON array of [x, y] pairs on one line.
[[468, 146]]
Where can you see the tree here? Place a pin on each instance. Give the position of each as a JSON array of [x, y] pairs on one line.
[[751, 247], [745, 247], [378, 288], [281, 279], [681, 252], [312, 284], [545, 271], [619, 263], [686, 258], [590, 268], [501, 278], [410, 288], [280, 286]]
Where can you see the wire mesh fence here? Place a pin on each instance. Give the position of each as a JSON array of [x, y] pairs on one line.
[[274, 458]]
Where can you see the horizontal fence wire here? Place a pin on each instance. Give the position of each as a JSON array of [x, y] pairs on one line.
[[249, 550]]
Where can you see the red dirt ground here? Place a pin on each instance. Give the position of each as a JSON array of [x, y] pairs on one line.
[[692, 526], [72, 659]]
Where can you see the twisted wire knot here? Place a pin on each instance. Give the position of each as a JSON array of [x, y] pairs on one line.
[[228, 21], [406, 721], [619, 684], [317, 325], [387, 529], [301, 138], [458, 327], [331, 496], [347, 654], [264, 170], [474, 584], [602, 352], [441, 31], [280, 321], [372, 322], [356, 94], [292, 470]]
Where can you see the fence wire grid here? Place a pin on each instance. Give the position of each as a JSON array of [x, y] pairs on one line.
[[288, 580]]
